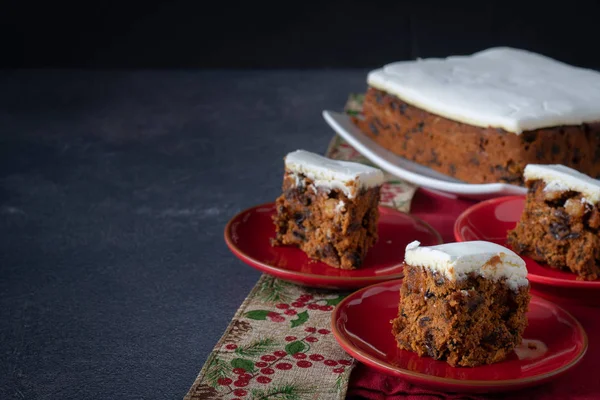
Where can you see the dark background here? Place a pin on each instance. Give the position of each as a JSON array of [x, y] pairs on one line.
[[299, 34], [115, 186]]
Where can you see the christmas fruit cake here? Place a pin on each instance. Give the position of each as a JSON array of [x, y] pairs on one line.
[[464, 303], [329, 208], [561, 220], [483, 118]]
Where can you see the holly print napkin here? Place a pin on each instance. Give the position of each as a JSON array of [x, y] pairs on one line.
[[278, 346]]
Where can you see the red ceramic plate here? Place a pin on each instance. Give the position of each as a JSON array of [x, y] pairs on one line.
[[361, 324], [248, 236], [492, 219]]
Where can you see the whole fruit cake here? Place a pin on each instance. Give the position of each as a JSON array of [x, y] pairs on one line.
[[483, 118]]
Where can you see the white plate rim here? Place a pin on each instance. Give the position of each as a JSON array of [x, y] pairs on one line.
[[391, 163]]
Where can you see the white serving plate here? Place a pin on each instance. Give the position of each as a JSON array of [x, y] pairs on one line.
[[411, 171]]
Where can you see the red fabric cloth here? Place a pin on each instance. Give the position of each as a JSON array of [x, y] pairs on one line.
[[581, 382]]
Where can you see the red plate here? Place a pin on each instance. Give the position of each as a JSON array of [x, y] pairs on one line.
[[361, 325], [248, 236], [492, 219]]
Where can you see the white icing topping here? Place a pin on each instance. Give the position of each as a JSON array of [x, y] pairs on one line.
[[556, 186], [457, 260], [333, 174], [500, 87], [561, 178]]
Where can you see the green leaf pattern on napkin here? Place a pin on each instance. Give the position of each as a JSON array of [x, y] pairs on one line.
[[286, 349], [302, 318]]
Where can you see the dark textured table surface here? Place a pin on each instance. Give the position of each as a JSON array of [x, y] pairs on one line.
[[115, 187]]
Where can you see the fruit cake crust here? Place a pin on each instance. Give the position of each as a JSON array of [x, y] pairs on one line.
[[558, 229], [469, 322], [471, 153], [327, 225]]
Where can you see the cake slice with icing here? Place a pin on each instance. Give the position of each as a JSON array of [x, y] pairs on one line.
[[560, 223], [464, 303], [328, 208]]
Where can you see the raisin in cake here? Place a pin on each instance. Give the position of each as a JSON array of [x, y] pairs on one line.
[[483, 118], [561, 220], [464, 303], [328, 208]]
